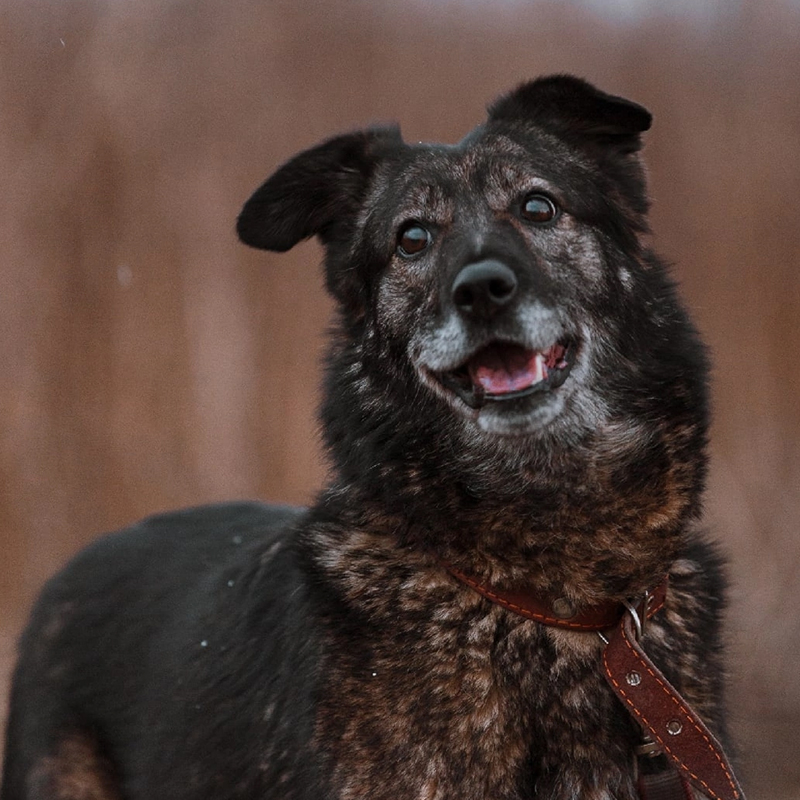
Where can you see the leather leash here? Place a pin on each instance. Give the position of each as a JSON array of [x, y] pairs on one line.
[[670, 726]]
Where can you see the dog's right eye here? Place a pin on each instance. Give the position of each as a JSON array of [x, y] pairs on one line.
[[412, 239], [539, 208]]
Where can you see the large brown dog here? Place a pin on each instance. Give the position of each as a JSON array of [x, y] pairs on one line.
[[515, 399]]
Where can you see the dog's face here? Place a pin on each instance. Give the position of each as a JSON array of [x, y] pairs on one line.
[[490, 272], [500, 282]]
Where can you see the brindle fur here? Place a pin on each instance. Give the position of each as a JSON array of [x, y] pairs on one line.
[[243, 651]]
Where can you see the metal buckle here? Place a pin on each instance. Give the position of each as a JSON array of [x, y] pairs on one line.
[[648, 748], [639, 621]]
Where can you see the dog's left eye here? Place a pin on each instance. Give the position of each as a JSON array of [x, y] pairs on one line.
[[412, 239], [539, 208]]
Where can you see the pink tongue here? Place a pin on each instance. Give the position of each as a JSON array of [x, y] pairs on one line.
[[504, 369]]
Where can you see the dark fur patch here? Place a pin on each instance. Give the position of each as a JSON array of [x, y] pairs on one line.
[[240, 651]]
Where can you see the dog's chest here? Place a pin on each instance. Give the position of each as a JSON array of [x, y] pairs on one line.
[[471, 703]]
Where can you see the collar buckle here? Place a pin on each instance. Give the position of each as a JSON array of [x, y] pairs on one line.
[[639, 614]]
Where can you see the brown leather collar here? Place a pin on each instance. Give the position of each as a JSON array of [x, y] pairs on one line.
[[560, 612], [667, 720]]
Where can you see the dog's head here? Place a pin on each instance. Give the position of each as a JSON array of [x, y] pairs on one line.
[[500, 282]]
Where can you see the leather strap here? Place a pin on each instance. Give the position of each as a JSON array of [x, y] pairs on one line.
[[559, 613], [666, 716], [647, 695]]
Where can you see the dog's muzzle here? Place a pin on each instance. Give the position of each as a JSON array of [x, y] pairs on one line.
[[486, 294]]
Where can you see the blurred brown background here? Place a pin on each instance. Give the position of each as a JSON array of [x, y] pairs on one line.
[[149, 361]]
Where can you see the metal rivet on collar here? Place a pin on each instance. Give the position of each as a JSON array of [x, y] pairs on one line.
[[563, 609], [633, 678], [674, 727]]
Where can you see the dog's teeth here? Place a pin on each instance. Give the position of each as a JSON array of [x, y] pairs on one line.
[[540, 373], [506, 371]]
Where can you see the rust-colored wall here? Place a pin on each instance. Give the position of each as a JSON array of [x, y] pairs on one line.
[[149, 361]]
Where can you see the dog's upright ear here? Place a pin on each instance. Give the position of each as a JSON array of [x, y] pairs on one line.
[[314, 191], [605, 127], [576, 111]]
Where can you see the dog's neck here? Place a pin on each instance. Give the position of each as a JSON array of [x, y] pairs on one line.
[[572, 536], [600, 517]]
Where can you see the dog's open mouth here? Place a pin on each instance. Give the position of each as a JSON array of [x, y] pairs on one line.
[[503, 371]]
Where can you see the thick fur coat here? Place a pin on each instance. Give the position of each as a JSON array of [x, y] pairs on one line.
[[513, 388]]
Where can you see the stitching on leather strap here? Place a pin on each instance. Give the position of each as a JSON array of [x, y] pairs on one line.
[[685, 713], [711, 746], [524, 612]]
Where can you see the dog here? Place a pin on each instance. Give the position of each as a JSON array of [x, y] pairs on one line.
[[514, 398]]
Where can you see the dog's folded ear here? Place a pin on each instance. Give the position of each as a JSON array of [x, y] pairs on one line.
[[577, 112], [313, 191]]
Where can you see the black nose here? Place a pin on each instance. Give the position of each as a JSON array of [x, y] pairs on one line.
[[483, 288]]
